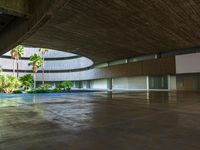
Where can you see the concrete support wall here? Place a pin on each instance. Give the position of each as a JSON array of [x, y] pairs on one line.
[[120, 83], [188, 72], [130, 83], [137, 82], [99, 84], [188, 63]]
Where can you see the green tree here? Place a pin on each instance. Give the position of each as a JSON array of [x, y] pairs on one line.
[[16, 54], [43, 51], [9, 83], [45, 86], [27, 81], [36, 62], [2, 80], [66, 85]]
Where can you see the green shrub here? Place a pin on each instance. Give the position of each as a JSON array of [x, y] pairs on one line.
[[17, 92], [44, 91], [2, 80], [9, 83], [27, 82], [56, 90], [65, 85], [45, 87], [39, 91], [30, 92]]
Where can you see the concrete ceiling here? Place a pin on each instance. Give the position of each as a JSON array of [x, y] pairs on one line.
[[5, 19], [105, 30]]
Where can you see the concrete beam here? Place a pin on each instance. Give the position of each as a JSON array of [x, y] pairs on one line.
[[15, 7], [21, 29]]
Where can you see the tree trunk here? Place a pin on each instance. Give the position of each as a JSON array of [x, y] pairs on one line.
[[13, 67], [34, 80], [43, 73], [17, 68]]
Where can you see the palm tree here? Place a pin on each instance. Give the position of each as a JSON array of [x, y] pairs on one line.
[[44, 51], [27, 81], [35, 61], [16, 54]]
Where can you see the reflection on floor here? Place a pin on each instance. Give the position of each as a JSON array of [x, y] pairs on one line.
[[99, 121]]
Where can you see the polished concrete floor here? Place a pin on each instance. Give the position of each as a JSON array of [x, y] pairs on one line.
[[100, 121]]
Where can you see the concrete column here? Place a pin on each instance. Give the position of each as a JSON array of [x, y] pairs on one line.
[[147, 82], [109, 84]]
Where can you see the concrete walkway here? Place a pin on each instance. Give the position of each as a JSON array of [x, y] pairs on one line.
[[101, 121]]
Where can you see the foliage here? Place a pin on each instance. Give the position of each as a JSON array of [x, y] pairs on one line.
[[65, 85], [17, 52], [45, 91], [27, 81], [9, 83], [12, 83], [35, 61], [39, 91], [2, 80], [17, 92], [45, 86], [56, 90], [59, 86], [43, 50]]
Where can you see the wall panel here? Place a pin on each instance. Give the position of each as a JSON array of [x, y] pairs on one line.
[[188, 63], [131, 83]]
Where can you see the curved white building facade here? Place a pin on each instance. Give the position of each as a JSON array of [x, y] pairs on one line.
[[59, 66], [127, 73]]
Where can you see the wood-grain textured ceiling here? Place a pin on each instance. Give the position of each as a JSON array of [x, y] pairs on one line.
[[5, 20], [105, 30]]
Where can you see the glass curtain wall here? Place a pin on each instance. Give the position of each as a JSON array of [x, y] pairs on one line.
[[158, 82]]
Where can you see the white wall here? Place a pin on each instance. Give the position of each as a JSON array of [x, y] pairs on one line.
[[131, 83], [188, 63], [120, 83], [99, 84], [28, 51], [85, 84], [75, 63]]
